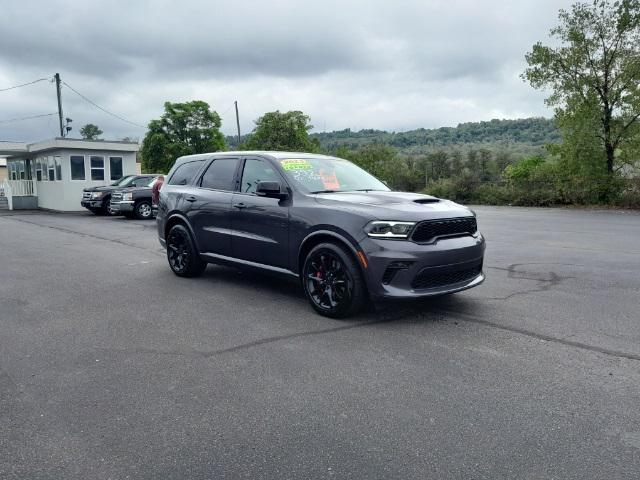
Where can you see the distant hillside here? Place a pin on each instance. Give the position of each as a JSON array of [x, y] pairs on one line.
[[527, 136]]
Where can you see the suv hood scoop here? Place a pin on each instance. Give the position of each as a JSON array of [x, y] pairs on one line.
[[427, 200]]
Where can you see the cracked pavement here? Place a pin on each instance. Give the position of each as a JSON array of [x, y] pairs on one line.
[[111, 367]]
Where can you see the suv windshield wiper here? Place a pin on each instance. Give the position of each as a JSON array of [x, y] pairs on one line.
[[368, 190], [326, 191]]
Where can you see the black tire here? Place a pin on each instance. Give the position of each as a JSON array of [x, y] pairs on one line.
[[182, 255], [333, 282], [143, 210], [106, 208]]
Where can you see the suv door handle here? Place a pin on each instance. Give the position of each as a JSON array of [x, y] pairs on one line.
[[240, 205], [191, 198]]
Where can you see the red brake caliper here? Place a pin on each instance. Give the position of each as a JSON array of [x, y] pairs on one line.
[[319, 276]]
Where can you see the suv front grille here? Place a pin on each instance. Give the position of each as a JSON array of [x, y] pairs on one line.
[[445, 276], [429, 230], [116, 197], [86, 195]]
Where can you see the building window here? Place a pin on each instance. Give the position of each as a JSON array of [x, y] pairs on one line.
[[51, 168], [77, 167], [58, 164], [38, 169], [45, 168], [97, 168], [115, 168]]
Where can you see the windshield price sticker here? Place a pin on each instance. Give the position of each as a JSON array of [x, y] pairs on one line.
[[330, 181], [296, 164]]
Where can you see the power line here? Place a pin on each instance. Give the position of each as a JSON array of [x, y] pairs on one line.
[[24, 84], [101, 108], [27, 118], [229, 108]]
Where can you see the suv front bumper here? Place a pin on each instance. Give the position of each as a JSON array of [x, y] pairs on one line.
[[404, 269]]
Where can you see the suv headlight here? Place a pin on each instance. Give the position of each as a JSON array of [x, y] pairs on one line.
[[127, 197], [96, 195], [388, 229]]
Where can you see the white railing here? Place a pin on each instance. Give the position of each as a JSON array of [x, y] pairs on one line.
[[17, 188]]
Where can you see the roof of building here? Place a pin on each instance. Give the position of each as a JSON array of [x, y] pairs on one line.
[[10, 149]]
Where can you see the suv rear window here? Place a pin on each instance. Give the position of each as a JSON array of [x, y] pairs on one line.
[[184, 173]]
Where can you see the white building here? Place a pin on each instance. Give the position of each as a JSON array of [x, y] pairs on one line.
[[51, 174], [3, 168]]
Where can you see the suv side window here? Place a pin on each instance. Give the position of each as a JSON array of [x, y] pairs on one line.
[[220, 174], [257, 171], [185, 173]]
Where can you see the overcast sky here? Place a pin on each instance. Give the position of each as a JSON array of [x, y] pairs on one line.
[[393, 65]]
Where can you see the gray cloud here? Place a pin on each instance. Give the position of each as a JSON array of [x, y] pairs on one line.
[[360, 64]]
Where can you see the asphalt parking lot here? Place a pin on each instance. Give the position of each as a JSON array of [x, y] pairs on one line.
[[112, 368]]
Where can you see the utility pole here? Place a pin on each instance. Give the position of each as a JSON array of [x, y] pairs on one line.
[[237, 122], [57, 77]]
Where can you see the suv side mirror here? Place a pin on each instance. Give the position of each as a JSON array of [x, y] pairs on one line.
[[270, 189]]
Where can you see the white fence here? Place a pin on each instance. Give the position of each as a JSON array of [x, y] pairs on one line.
[[17, 188]]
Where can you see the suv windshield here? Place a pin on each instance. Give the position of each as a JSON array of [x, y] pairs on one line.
[[124, 181], [317, 175]]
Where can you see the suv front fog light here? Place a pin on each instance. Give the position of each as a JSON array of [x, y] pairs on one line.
[[389, 229]]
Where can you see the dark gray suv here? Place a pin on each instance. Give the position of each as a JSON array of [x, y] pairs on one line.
[[322, 219]]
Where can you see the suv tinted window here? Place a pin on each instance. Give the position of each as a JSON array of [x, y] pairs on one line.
[[219, 175], [257, 171], [185, 173]]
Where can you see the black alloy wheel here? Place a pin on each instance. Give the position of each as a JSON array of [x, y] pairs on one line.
[[182, 255], [333, 282]]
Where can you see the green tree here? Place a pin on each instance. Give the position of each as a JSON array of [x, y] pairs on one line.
[[503, 159], [91, 132], [437, 165], [593, 73], [184, 129], [473, 164], [457, 162], [287, 131], [581, 151], [485, 164]]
